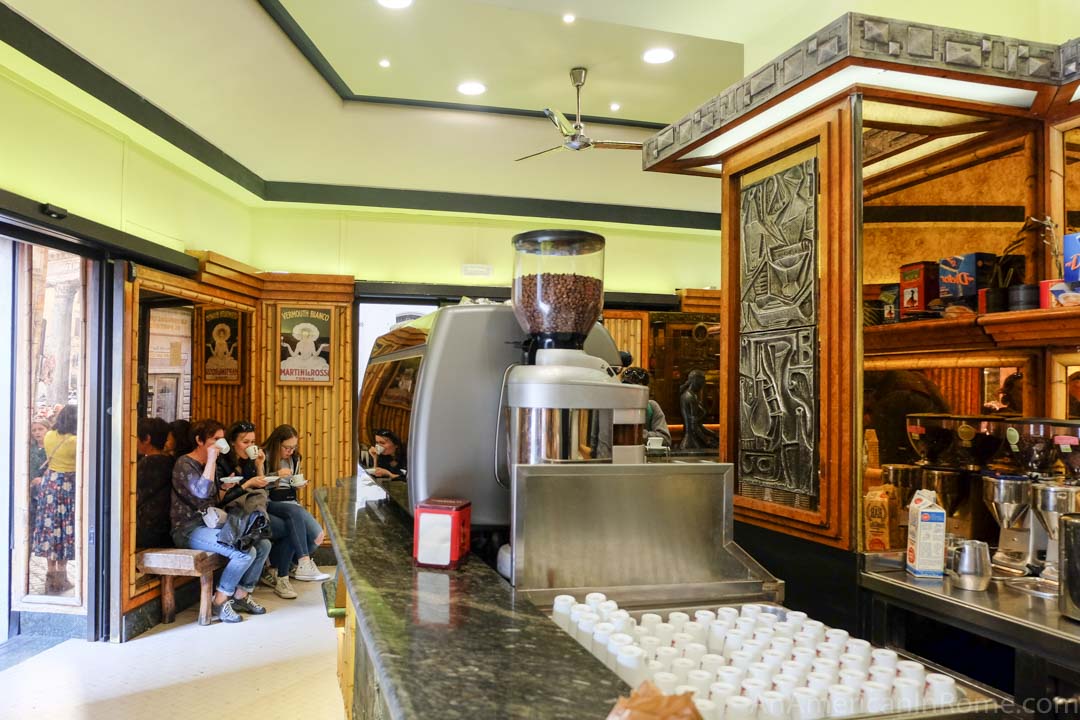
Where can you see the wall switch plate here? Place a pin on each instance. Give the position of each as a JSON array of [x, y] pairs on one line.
[[475, 270]]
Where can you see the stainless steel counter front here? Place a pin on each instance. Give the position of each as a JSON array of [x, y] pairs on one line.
[[1001, 613]]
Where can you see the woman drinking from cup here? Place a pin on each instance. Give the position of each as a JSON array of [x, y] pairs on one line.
[[194, 490], [305, 533], [243, 463], [388, 455]]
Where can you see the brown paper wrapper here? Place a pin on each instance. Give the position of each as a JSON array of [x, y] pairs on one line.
[[648, 703]]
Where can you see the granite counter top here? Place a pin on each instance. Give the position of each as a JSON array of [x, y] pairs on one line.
[[454, 644]]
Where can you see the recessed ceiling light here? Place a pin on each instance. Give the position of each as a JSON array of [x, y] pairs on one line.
[[395, 4], [568, 18], [384, 63], [657, 56], [471, 88], [615, 107]]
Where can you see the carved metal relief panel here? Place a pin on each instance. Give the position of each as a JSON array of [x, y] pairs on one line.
[[778, 357], [863, 36], [1070, 61], [778, 410], [778, 220]]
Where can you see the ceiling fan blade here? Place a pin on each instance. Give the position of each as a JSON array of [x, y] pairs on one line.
[[616, 145], [564, 125], [557, 147]]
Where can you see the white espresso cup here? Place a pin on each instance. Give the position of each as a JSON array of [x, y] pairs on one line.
[[883, 657], [940, 690], [843, 701], [712, 662], [665, 682], [681, 667], [807, 704], [731, 675], [737, 707], [912, 670], [252, 452], [721, 691]]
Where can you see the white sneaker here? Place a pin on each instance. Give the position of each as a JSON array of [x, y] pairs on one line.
[[283, 589], [308, 571]]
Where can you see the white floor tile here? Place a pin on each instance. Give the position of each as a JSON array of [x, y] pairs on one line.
[[278, 665]]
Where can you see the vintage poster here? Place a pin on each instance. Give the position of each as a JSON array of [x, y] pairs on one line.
[[305, 342], [221, 338]]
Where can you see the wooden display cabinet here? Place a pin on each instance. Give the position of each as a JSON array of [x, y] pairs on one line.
[[873, 143]]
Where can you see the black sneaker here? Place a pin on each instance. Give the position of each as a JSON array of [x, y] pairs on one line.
[[249, 605], [225, 612]]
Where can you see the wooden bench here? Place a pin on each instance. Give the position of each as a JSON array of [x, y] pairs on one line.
[[171, 562]]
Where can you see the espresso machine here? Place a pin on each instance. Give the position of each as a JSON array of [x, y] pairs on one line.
[[565, 405], [1010, 493], [954, 451]]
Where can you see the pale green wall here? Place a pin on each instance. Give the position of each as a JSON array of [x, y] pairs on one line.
[[413, 248], [55, 153], [62, 152]]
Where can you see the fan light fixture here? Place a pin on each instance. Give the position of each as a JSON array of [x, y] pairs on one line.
[[568, 18], [395, 4], [384, 63], [471, 87], [658, 56]]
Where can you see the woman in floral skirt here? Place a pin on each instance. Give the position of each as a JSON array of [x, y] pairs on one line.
[[53, 535]]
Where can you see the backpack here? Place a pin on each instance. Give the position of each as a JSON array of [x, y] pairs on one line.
[[248, 521]]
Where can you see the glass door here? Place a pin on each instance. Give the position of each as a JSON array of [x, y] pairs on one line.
[[55, 407]]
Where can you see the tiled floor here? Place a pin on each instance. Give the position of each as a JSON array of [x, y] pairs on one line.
[[278, 665]]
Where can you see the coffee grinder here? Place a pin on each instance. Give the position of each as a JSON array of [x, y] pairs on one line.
[[1022, 541], [1051, 500], [566, 406], [954, 451]]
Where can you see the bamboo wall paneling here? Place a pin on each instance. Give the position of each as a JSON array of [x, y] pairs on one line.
[[630, 331], [322, 415]]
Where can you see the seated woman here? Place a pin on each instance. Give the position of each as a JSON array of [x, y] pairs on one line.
[[305, 534], [245, 460], [388, 456], [655, 421], [194, 489]]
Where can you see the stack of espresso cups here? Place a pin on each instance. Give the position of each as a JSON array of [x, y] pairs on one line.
[[754, 662]]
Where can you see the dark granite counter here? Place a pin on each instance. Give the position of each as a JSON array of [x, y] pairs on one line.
[[453, 644]]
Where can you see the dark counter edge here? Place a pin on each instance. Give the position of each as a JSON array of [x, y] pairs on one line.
[[389, 691]]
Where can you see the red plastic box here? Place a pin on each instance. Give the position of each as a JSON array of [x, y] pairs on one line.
[[442, 530]]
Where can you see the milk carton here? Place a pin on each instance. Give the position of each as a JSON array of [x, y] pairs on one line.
[[926, 536]]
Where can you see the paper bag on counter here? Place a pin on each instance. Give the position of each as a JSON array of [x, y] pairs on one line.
[[648, 703]]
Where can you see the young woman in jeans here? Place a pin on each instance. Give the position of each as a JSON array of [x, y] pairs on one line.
[[245, 460], [194, 489], [282, 463]]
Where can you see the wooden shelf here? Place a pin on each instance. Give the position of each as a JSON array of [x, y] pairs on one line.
[[1034, 328], [958, 333], [1023, 328]]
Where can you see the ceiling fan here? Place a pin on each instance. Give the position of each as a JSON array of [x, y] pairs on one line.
[[574, 133]]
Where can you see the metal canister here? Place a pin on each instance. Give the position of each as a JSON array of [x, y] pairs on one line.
[[1069, 555], [905, 477]]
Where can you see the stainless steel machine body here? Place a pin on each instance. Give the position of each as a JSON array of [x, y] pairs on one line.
[[457, 359], [652, 536]]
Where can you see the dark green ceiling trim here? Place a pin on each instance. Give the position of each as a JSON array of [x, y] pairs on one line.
[[27, 38], [310, 50], [487, 205], [306, 46], [368, 290], [43, 49]]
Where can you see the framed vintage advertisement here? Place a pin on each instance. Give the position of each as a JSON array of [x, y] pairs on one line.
[[221, 346], [305, 342], [164, 393]]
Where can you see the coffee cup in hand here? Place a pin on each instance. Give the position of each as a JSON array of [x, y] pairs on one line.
[[298, 480], [222, 445], [253, 451]]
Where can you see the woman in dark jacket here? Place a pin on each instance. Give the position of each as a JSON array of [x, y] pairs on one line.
[[195, 489]]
